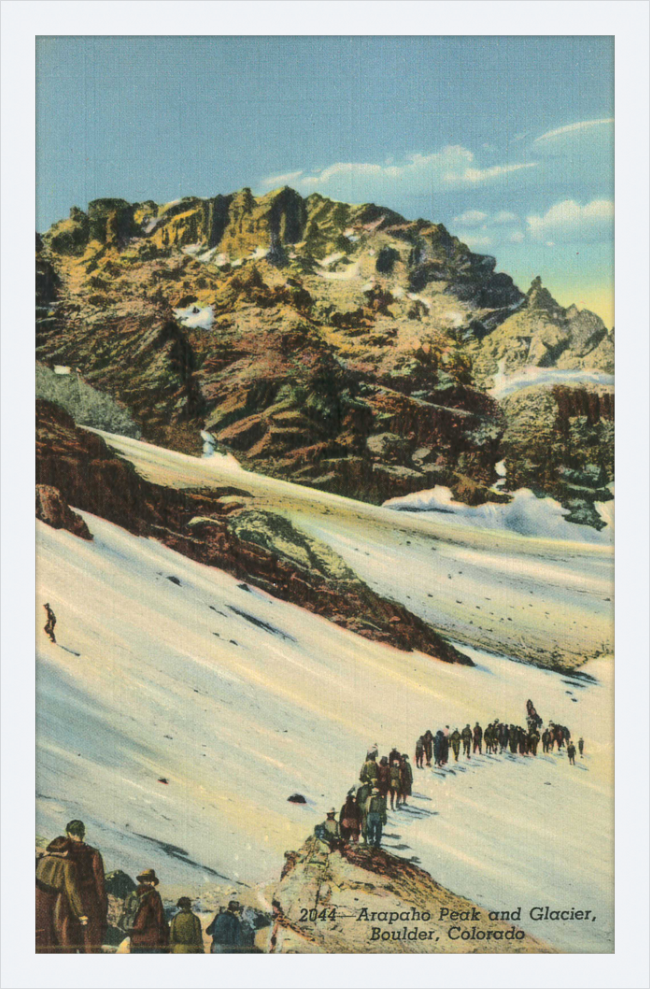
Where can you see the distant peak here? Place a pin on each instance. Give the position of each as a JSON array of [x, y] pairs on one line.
[[540, 298]]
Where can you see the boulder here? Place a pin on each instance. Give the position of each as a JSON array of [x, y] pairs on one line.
[[54, 511]]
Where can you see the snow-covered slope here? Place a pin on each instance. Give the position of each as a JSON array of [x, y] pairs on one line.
[[545, 600], [175, 717]]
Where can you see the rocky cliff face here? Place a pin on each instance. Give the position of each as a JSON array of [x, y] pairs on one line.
[[338, 346], [543, 334], [224, 529], [359, 899]]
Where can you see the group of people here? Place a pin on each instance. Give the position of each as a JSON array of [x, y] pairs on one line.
[[72, 908], [498, 737], [383, 782], [386, 782]]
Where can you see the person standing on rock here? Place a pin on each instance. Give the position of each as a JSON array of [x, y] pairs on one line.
[[419, 753], [466, 736], [225, 931], [455, 740], [405, 778], [50, 623], [185, 935], [350, 820], [478, 739], [376, 814], [581, 746], [362, 795], [394, 784], [80, 880], [150, 931], [571, 752]]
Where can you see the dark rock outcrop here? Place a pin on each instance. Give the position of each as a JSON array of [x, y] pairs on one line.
[[221, 528], [51, 509]]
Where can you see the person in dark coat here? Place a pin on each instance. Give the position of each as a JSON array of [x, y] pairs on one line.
[[150, 931], [350, 820], [383, 780], [513, 739], [437, 748], [523, 746], [225, 931], [185, 935], [581, 747], [571, 752], [478, 739], [428, 745], [533, 741], [394, 784], [50, 623], [59, 906], [444, 748], [419, 753], [546, 740], [455, 743], [405, 778], [73, 930], [392, 755], [466, 736]]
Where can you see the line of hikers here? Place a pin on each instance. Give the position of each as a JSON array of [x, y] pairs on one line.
[[383, 782], [72, 908], [497, 738]]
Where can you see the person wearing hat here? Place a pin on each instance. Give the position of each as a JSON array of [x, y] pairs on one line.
[[71, 900], [150, 931], [185, 935], [581, 746], [376, 816], [225, 931]]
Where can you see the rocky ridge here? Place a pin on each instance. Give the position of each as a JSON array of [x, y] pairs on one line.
[[221, 528], [339, 346]]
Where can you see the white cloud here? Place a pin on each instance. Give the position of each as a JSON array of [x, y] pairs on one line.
[[453, 167], [273, 181], [582, 125], [568, 221], [504, 216], [516, 237], [471, 218]]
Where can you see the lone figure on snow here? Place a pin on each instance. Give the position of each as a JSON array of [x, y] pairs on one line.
[[50, 623]]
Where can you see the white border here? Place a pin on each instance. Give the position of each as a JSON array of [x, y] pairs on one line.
[[628, 21]]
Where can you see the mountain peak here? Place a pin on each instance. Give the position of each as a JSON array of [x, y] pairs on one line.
[[539, 297]]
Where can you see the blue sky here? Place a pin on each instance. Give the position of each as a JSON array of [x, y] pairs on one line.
[[508, 141]]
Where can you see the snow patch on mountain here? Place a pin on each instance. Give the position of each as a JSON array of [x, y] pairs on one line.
[[526, 514], [528, 377], [196, 317]]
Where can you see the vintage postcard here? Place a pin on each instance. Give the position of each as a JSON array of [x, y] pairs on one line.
[[324, 495]]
